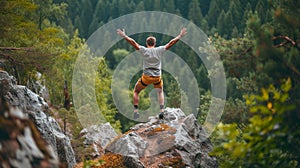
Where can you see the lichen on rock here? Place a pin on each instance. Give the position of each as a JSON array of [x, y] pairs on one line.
[[175, 141]]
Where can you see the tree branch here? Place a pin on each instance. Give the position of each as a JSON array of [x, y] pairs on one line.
[[17, 48], [284, 43], [294, 69], [10, 59]]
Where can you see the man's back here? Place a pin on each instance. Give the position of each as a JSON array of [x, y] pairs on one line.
[[152, 60]]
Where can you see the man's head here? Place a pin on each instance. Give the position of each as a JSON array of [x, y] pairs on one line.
[[151, 41]]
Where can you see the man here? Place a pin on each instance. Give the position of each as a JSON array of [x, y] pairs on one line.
[[151, 67]]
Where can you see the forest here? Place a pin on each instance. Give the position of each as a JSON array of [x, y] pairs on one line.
[[258, 42]]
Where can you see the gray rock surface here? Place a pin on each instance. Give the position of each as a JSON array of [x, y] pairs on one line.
[[21, 145], [177, 139], [98, 136], [37, 110], [131, 145]]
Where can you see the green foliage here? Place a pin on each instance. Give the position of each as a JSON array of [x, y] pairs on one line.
[[92, 163], [47, 9], [276, 46], [195, 13], [117, 56], [16, 28], [87, 15], [236, 54], [205, 100], [69, 120], [107, 160], [173, 95], [62, 69], [96, 85], [213, 13], [266, 140], [26, 48], [235, 111]]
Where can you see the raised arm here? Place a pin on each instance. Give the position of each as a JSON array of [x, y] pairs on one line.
[[176, 39], [128, 39]]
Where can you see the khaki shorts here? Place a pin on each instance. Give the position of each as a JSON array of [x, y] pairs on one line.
[[145, 80]]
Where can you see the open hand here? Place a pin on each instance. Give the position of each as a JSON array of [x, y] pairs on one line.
[[121, 32], [182, 32]]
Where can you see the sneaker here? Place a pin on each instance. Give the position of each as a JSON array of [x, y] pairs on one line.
[[136, 115], [161, 115]]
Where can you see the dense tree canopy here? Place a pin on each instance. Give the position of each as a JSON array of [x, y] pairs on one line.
[[88, 15]]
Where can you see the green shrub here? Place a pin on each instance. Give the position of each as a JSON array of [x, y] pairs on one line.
[[266, 141]]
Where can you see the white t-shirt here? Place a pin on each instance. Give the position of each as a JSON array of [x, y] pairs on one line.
[[152, 60]]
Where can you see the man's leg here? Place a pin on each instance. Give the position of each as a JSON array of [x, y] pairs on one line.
[[161, 102], [160, 94], [161, 99], [136, 91]]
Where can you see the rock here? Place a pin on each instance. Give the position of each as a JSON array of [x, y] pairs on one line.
[[98, 136], [21, 145], [37, 110], [175, 140], [132, 162], [130, 144], [38, 87]]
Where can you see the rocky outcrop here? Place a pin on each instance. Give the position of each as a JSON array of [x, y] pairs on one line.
[[21, 145], [35, 108], [38, 87], [176, 141], [97, 137]]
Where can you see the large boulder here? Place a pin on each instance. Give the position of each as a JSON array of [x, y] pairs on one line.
[[97, 137], [38, 111], [177, 140]]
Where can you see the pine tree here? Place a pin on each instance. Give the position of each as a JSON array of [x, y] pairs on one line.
[[169, 5], [94, 25], [101, 11], [204, 6], [247, 12], [229, 24], [113, 9], [195, 13], [83, 21], [261, 10], [213, 13], [183, 6], [148, 5], [224, 5], [221, 24], [157, 5], [236, 12], [73, 9], [46, 9], [235, 33], [140, 7], [123, 7]]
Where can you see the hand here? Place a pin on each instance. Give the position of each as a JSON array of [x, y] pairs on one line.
[[182, 32], [121, 32]]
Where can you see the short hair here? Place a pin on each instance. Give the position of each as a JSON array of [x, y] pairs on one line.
[[151, 41]]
